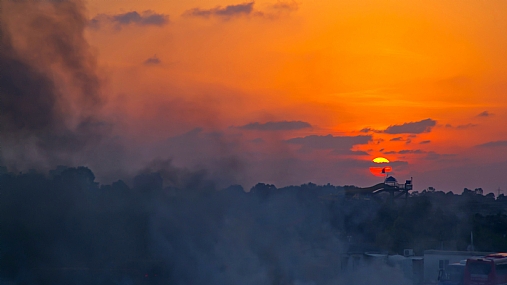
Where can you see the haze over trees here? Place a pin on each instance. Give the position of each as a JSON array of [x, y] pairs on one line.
[[62, 227]]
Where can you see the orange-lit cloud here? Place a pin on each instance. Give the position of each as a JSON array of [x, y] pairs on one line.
[[423, 126], [227, 11], [146, 18]]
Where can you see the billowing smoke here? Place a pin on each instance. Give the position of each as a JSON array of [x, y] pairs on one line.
[[49, 88], [65, 228]]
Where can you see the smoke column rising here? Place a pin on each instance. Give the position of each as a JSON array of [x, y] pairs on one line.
[[49, 89]]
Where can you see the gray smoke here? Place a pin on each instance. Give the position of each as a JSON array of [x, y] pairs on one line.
[[49, 89], [65, 228]]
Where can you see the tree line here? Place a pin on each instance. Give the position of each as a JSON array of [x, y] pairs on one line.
[[170, 226]]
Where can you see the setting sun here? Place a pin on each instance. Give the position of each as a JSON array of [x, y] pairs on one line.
[[380, 160]]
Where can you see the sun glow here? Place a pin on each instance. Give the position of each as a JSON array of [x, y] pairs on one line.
[[380, 160], [380, 171]]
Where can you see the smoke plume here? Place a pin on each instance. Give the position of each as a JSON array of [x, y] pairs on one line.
[[49, 88]]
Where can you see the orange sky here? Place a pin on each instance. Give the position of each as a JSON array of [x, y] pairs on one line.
[[340, 66]]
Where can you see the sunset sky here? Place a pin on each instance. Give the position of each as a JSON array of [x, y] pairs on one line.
[[290, 92]]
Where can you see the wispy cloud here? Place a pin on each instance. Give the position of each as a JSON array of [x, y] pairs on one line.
[[286, 5], [406, 151], [146, 18], [152, 60], [431, 155], [339, 144], [276, 126], [501, 143], [227, 11], [485, 114], [244, 9], [411, 151], [369, 130], [461, 127], [419, 127]]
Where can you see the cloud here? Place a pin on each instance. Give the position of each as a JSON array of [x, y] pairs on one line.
[[276, 126], [485, 114], [407, 140], [277, 10], [407, 151], [339, 144], [352, 152], [152, 60], [493, 144], [369, 130], [425, 142], [423, 126], [245, 9], [431, 155], [461, 127], [146, 18], [289, 6], [411, 151], [227, 11]]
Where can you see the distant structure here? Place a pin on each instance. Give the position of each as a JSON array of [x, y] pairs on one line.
[[390, 185]]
